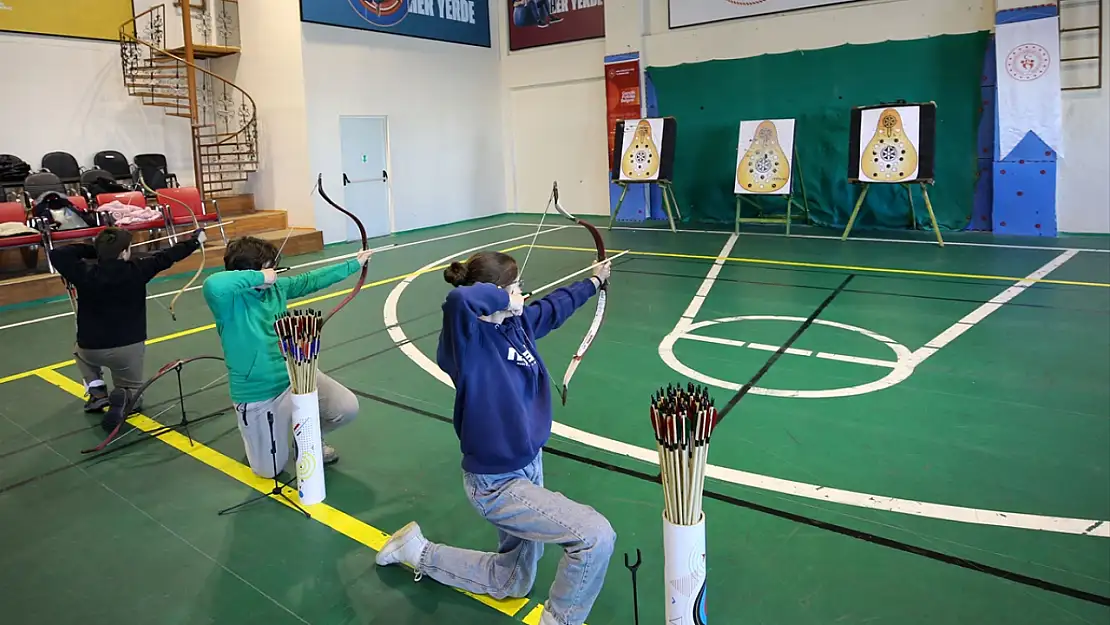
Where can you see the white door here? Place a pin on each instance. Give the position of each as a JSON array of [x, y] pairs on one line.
[[365, 179]]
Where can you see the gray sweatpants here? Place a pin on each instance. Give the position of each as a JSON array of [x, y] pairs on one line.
[[125, 363], [338, 406]]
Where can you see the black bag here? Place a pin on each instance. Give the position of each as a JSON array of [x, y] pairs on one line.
[[61, 214]]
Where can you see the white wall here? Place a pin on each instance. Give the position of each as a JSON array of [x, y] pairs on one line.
[[68, 95], [820, 27], [556, 126], [270, 70], [1083, 181], [444, 106]]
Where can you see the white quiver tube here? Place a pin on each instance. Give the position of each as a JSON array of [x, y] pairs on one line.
[[310, 448], [684, 572]]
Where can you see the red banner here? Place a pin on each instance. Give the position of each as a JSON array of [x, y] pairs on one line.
[[622, 94], [534, 23]]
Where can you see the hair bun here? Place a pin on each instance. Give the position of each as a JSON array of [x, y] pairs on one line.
[[455, 274]]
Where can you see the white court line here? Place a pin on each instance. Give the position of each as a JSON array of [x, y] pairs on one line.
[[992, 305], [706, 285], [859, 360], [314, 262], [826, 237], [793, 351], [715, 339], [1062, 525]]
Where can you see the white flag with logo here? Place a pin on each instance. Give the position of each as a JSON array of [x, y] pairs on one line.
[[1028, 63]]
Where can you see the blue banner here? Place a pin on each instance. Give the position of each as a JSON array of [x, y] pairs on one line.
[[456, 21]]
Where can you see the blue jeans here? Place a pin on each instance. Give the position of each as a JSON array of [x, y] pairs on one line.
[[527, 516]]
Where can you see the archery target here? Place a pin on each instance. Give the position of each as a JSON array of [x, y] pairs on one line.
[[646, 150], [765, 157], [892, 143]]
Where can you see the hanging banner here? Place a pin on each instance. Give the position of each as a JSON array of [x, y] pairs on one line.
[[691, 12], [81, 19], [623, 93], [456, 21], [1028, 65], [534, 23]]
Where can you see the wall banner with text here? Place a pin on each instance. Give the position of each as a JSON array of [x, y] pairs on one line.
[[623, 89], [692, 12], [455, 21], [534, 23]]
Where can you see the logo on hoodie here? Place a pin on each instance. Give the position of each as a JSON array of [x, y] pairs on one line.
[[523, 359]]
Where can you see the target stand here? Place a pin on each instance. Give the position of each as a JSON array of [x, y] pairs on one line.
[[669, 201], [644, 154], [893, 144], [913, 214]]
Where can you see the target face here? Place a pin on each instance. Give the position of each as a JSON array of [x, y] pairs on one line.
[[765, 155], [640, 148], [889, 138]]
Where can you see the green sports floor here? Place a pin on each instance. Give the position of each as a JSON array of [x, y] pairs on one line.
[[933, 448]]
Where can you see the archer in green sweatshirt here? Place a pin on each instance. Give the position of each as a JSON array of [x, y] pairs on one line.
[[246, 299], [245, 308]]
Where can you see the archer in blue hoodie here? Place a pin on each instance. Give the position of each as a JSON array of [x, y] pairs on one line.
[[503, 419]]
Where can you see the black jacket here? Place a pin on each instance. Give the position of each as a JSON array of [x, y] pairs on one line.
[[111, 295]]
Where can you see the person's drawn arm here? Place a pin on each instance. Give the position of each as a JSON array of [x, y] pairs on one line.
[[550, 312], [312, 281]]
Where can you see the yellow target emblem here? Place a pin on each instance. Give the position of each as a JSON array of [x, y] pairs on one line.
[[764, 168], [641, 159], [889, 156]]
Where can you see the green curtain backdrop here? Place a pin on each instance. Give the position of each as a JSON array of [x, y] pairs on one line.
[[818, 88]]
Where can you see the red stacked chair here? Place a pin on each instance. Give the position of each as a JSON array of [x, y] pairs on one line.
[[179, 201]]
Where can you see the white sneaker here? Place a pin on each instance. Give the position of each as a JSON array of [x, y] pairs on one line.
[[404, 547]]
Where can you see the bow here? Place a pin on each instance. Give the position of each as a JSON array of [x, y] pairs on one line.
[[365, 246], [135, 397], [196, 226], [602, 294]]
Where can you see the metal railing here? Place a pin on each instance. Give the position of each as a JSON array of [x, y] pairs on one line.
[[224, 124]]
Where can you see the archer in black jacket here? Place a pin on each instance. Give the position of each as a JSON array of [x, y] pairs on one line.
[[111, 311]]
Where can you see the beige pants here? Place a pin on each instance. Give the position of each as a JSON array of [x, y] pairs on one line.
[[125, 363], [338, 406]]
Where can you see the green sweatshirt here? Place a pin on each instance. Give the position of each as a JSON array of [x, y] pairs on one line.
[[245, 317]]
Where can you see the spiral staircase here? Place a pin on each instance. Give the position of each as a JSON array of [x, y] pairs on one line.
[[223, 123], [225, 129]]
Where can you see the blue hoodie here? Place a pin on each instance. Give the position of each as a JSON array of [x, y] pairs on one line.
[[502, 388]]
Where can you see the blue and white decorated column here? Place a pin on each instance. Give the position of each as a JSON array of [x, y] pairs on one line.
[[1029, 128]]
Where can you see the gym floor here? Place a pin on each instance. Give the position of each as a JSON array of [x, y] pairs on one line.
[[933, 448]]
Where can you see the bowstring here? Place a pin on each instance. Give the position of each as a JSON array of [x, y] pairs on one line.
[[532, 245]]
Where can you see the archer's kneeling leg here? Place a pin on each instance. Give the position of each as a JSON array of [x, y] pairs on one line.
[[254, 427], [338, 405]]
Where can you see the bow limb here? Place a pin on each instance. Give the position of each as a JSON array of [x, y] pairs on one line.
[[365, 246], [203, 254], [602, 294], [137, 395]]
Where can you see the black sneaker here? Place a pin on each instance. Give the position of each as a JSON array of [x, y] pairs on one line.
[[117, 407], [554, 19], [98, 399]]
